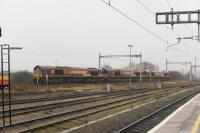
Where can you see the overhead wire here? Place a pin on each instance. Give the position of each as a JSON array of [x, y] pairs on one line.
[[180, 51], [168, 3], [189, 29], [147, 9], [170, 6], [142, 26], [137, 23], [153, 14]]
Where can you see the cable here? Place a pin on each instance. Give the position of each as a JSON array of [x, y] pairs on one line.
[[145, 7], [155, 15], [189, 29], [183, 52], [140, 25], [184, 26], [169, 4], [148, 10]]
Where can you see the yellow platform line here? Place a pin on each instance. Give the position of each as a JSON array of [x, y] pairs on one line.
[[196, 125]]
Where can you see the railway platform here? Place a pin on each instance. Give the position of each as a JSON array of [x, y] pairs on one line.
[[185, 119]]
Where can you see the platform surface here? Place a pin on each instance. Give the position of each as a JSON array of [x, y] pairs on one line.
[[185, 119]]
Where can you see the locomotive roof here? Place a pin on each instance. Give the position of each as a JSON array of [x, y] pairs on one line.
[[89, 69], [65, 67], [55, 67]]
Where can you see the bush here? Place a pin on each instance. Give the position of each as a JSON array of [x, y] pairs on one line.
[[176, 75], [22, 78]]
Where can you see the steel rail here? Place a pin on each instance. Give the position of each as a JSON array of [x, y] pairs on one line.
[[36, 108], [23, 101], [66, 116], [140, 122]]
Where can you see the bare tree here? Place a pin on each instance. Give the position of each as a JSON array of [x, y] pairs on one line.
[[144, 65], [107, 66], [149, 66], [176, 75]]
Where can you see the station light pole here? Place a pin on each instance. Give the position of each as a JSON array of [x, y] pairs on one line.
[[130, 82]]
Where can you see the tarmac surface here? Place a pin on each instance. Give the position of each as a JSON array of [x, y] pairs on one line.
[[185, 119]]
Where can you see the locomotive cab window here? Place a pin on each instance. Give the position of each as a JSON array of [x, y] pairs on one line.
[[94, 73], [117, 73], [59, 72]]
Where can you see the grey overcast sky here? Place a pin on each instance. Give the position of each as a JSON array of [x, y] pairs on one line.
[[73, 32]]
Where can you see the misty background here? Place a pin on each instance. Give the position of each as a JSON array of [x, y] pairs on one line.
[[74, 32]]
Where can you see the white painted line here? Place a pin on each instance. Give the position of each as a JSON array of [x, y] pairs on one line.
[[109, 116], [172, 115]]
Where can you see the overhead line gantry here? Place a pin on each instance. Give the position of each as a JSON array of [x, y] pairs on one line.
[[118, 56], [180, 17]]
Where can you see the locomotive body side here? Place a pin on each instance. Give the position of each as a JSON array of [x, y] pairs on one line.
[[48, 74]]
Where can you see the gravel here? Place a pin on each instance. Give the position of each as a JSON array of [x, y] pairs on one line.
[[112, 124]]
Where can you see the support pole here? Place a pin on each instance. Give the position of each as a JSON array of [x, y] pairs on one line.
[[178, 41], [130, 68], [37, 78], [99, 60], [5, 71], [9, 86], [47, 79], [0, 32], [140, 67], [2, 86], [195, 67], [166, 60], [130, 82], [190, 78], [198, 26], [199, 31]]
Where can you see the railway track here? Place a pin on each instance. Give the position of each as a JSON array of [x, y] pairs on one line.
[[69, 115], [60, 97], [59, 104], [43, 99], [31, 109], [146, 123]]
